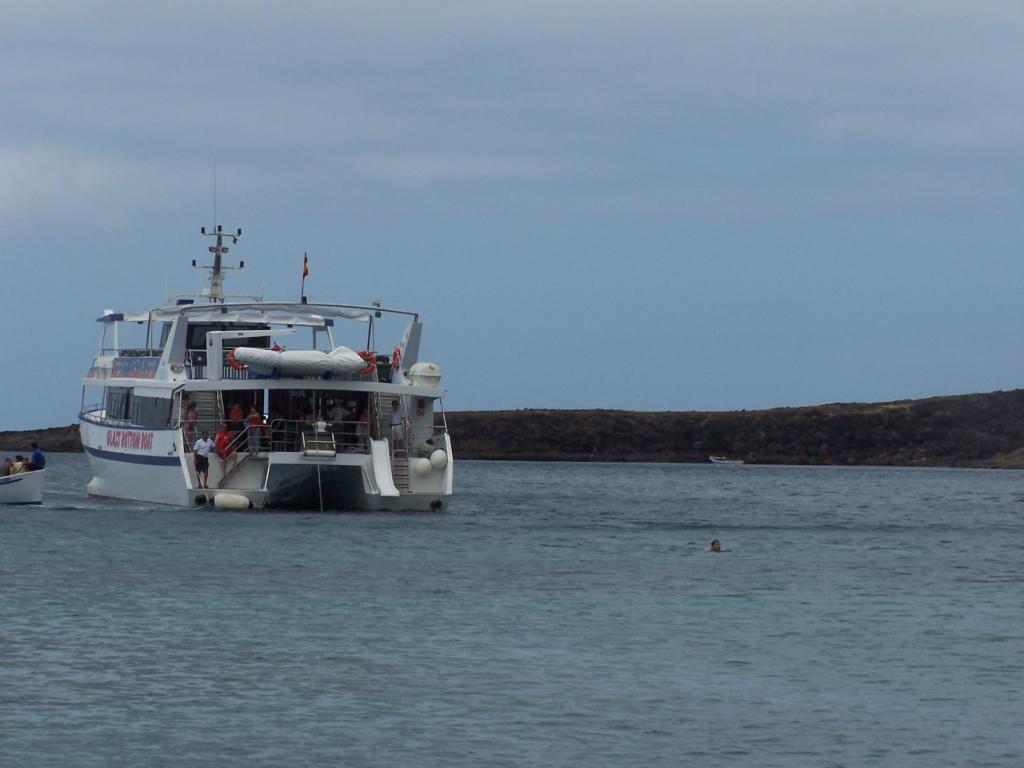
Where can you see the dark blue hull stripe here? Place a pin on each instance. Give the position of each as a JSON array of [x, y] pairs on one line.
[[131, 458]]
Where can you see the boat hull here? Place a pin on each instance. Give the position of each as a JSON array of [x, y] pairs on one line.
[[134, 464], [22, 488], [724, 462]]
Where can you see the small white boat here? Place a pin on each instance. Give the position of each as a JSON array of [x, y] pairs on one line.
[[723, 460], [22, 488]]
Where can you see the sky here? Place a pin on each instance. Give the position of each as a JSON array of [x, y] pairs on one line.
[[651, 206]]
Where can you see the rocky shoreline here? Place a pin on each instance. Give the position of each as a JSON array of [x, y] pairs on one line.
[[51, 439], [980, 430]]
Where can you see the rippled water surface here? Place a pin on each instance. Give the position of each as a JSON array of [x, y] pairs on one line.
[[558, 615]]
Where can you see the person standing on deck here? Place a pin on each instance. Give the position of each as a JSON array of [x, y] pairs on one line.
[[191, 414], [223, 442], [235, 416], [362, 425], [397, 432], [186, 403], [255, 423], [339, 416], [201, 457]]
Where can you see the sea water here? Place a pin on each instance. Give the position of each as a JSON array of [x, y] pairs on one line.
[[557, 615]]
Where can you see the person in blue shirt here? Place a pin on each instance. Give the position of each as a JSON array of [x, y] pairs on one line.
[[38, 460]]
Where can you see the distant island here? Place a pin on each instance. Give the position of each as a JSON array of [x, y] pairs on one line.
[[980, 430]]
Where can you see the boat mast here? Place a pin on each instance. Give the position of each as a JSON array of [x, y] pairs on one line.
[[216, 292]]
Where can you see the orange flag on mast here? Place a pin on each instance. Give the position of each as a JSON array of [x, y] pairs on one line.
[[305, 266]]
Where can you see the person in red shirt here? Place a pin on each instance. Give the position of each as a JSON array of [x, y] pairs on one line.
[[236, 421], [235, 416], [255, 423], [223, 442]]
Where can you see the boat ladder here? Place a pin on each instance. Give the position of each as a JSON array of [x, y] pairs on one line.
[[233, 464], [400, 470], [319, 444], [209, 410], [400, 455], [238, 458]]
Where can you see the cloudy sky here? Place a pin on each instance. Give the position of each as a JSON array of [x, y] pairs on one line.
[[658, 206]]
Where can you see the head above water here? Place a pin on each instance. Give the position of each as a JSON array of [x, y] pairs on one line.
[[715, 546]]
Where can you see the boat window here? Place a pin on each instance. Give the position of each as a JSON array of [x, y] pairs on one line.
[[92, 398], [165, 332], [118, 403], [197, 334], [129, 339], [151, 411]]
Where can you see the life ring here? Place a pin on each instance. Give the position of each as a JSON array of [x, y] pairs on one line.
[[396, 358], [371, 362], [236, 364]]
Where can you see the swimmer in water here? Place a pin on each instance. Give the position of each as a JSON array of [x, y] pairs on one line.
[[714, 546]]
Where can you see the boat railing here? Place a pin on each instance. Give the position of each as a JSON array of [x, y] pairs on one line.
[[195, 363], [290, 435], [246, 444], [349, 436], [230, 372], [423, 441], [286, 435], [319, 443], [245, 437], [139, 352], [97, 414], [130, 352]]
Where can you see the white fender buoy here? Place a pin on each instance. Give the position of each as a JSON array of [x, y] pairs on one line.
[[230, 501], [439, 459], [421, 467]]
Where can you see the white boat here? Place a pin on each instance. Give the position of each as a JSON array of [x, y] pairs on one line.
[[22, 488], [724, 461], [328, 439]]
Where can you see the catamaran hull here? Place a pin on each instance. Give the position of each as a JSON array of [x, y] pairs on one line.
[[148, 466], [339, 489], [154, 484], [135, 464], [23, 488]]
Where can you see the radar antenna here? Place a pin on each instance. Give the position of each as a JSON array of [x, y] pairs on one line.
[[215, 292]]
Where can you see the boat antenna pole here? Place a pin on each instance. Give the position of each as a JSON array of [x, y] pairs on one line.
[[216, 292], [305, 274]]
